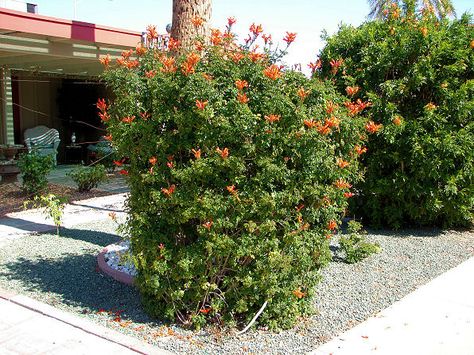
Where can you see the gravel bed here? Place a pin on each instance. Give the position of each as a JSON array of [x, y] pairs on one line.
[[62, 271]]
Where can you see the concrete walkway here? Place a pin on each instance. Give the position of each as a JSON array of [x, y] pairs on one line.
[[436, 319], [31, 327]]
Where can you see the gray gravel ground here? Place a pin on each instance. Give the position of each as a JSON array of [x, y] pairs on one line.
[[62, 272]]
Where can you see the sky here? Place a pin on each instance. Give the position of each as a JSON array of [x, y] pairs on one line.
[[308, 18]]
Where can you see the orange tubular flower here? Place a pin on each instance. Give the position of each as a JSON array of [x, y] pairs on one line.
[[108, 137], [342, 163], [352, 90], [256, 29], [196, 153], [298, 293], [168, 65], [128, 119], [216, 37], [150, 74], [372, 127], [207, 76], [173, 44], [140, 50], [236, 56], [151, 32], [118, 163], [316, 65], [430, 106], [132, 64], [197, 21], [242, 98], [290, 37], [302, 93], [348, 194], [205, 310], [273, 72], [323, 129], [333, 122], [232, 190], [255, 57], [201, 105], [397, 121], [224, 153], [360, 150], [169, 191], [105, 61], [310, 123], [335, 64], [152, 160], [208, 224], [104, 116], [330, 107], [332, 225], [170, 164], [272, 118], [267, 39], [101, 105], [241, 84], [193, 58], [123, 172], [231, 21], [145, 115], [127, 54], [341, 184], [187, 69], [299, 207]]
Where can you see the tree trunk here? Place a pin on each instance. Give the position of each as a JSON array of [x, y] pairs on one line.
[[183, 28]]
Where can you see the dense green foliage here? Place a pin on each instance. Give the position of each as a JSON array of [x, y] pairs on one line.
[[88, 177], [418, 73], [34, 169], [239, 172], [354, 245]]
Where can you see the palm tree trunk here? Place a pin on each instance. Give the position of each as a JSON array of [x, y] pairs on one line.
[[183, 28]]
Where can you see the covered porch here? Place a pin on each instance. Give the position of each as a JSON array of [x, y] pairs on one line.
[[49, 72]]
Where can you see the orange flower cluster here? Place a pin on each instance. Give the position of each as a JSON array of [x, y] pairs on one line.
[[216, 37], [123, 172], [153, 160], [101, 105], [132, 64], [168, 191], [169, 65], [256, 29], [316, 65], [430, 106], [273, 72], [191, 60], [208, 224], [302, 93], [335, 64], [128, 119], [348, 194], [310, 123], [207, 76], [140, 50], [242, 98], [267, 38], [341, 184], [151, 32], [150, 74], [352, 90], [173, 44], [196, 153], [241, 84], [332, 122], [231, 21], [232, 190], [145, 115], [360, 150], [272, 118], [330, 107], [342, 163], [236, 56], [201, 105], [255, 57], [290, 37], [298, 293], [372, 127], [357, 107], [332, 225], [105, 61], [224, 153], [108, 137], [397, 121]]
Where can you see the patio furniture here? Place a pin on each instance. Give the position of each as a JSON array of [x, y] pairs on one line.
[[42, 140], [100, 149]]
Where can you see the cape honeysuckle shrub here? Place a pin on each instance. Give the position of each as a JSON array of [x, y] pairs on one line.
[[418, 73], [239, 172]]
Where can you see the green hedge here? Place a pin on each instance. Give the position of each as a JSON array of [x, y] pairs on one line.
[[418, 73]]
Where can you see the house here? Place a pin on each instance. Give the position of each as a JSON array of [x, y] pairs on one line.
[[49, 70]]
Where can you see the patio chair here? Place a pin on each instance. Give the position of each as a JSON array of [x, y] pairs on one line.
[[42, 140]]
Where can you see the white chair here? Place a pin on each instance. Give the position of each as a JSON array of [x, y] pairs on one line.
[[42, 140]]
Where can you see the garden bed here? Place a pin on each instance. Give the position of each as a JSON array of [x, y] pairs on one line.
[[12, 197], [62, 271]]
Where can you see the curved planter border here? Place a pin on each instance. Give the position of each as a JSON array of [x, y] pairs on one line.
[[115, 274]]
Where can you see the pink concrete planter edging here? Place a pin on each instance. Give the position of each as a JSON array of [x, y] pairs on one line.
[[115, 274]]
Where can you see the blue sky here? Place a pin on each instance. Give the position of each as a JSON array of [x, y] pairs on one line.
[[306, 17]]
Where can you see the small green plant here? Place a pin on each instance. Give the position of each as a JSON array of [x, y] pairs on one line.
[[355, 246], [52, 205], [34, 169], [88, 177]]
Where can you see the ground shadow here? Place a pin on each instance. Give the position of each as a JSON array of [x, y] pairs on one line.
[[79, 283]]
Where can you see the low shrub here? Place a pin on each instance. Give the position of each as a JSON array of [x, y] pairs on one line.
[[418, 73], [88, 177], [34, 169], [354, 245], [52, 205], [239, 173]]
